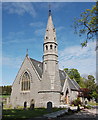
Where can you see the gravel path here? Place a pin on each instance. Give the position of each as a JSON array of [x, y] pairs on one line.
[[86, 114], [91, 114]]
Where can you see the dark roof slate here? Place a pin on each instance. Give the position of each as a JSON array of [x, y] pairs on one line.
[[71, 84], [39, 68]]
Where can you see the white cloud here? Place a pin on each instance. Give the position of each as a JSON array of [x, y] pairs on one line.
[[10, 61], [36, 24], [19, 8], [83, 59], [40, 32], [17, 38], [60, 28]]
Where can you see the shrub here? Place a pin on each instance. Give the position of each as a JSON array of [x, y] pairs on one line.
[[76, 102], [87, 107]]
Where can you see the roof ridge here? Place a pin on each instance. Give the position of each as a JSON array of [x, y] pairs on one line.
[[35, 60]]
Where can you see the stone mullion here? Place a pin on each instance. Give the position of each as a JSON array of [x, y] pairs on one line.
[[22, 85]]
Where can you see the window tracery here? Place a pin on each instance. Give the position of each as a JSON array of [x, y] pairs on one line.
[[25, 82]]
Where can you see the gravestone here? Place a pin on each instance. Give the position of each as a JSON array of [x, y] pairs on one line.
[[49, 106], [32, 104]]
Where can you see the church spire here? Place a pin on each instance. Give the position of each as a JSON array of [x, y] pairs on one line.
[[50, 83], [50, 35]]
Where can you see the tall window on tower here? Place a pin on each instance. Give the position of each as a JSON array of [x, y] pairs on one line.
[[50, 46], [25, 82]]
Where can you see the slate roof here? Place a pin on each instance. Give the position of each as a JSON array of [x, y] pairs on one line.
[[39, 67], [72, 84]]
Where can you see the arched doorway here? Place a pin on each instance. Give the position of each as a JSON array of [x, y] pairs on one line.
[[67, 96], [25, 105], [32, 104], [49, 106]]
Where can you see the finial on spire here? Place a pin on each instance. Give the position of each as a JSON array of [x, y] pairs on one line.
[[49, 9], [27, 52]]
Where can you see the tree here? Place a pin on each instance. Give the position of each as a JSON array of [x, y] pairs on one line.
[[6, 90], [92, 87], [87, 24], [90, 83], [85, 93], [73, 74], [82, 83]]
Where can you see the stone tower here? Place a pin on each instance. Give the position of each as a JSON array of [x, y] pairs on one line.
[[50, 84]]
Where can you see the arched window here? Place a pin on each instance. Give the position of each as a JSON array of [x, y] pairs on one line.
[[50, 46], [46, 47], [55, 47], [25, 82]]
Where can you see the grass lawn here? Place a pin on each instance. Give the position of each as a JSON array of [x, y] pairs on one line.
[[21, 113], [94, 104], [4, 96]]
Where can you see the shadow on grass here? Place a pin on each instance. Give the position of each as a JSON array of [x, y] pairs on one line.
[[22, 114]]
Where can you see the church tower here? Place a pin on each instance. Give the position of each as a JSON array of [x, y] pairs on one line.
[[50, 84]]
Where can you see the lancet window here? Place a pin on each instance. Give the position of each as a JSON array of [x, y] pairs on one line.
[[46, 47], [50, 46], [25, 82]]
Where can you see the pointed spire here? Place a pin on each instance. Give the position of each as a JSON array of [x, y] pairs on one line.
[[50, 35]]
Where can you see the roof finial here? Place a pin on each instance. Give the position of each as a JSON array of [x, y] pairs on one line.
[[27, 52], [49, 9]]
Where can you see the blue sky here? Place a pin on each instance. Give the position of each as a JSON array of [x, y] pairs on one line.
[[23, 27]]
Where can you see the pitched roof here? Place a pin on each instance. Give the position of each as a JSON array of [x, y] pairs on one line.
[[73, 85], [62, 77], [39, 68]]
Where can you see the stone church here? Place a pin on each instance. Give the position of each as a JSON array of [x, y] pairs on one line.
[[42, 82]]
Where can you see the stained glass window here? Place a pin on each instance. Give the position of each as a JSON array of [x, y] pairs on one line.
[[25, 83]]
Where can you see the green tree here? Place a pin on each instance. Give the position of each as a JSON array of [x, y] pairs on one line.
[[90, 83], [6, 90], [87, 24], [66, 70], [73, 74], [92, 86], [82, 83]]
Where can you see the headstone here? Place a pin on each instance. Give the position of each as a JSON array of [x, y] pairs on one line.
[[32, 104], [49, 106], [86, 101]]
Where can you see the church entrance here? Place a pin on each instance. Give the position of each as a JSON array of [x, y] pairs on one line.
[[25, 105], [49, 106], [67, 97], [32, 104]]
